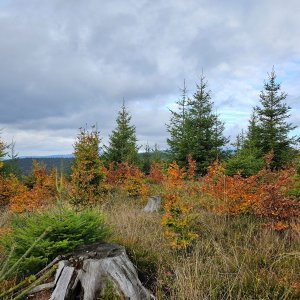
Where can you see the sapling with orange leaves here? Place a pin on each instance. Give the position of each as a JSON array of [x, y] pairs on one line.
[[87, 170]]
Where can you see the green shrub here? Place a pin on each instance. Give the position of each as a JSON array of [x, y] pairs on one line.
[[66, 231], [245, 163]]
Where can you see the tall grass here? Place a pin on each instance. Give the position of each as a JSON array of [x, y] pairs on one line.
[[234, 257]]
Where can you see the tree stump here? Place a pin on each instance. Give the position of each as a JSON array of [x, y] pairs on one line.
[[91, 271], [153, 204]]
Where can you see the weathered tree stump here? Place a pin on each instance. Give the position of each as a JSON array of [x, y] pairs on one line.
[[88, 273], [153, 204]]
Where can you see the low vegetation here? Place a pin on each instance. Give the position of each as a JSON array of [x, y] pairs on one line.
[[209, 241], [62, 230]]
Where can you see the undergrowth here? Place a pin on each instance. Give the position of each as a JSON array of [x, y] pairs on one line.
[[234, 257], [63, 230]]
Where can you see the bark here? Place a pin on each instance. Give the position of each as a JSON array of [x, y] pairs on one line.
[[91, 270], [153, 204]]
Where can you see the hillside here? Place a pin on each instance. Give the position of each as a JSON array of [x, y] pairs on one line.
[[59, 163]]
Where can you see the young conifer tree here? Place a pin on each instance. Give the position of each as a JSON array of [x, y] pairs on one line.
[[87, 173], [268, 131], [11, 164], [177, 128], [123, 142], [248, 158], [205, 130], [146, 159], [252, 137], [273, 126]]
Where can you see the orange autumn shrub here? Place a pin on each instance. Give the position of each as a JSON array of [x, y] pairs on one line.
[[116, 174], [110, 174], [135, 186], [128, 178], [29, 200], [274, 201], [191, 168], [174, 178], [41, 194], [264, 194], [134, 183], [156, 174], [235, 194], [177, 218], [10, 186]]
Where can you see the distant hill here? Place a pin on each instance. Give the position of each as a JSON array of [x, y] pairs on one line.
[[60, 163], [64, 162], [50, 156]]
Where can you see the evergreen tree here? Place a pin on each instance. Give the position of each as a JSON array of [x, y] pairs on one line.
[[252, 140], [273, 127], [248, 158], [123, 142], [11, 165], [205, 130], [177, 128], [146, 159], [87, 174], [239, 141], [252, 136], [149, 156], [157, 154], [268, 131]]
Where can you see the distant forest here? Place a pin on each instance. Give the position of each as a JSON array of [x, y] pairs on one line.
[[24, 165], [64, 164]]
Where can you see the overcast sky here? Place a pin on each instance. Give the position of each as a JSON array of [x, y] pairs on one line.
[[67, 63]]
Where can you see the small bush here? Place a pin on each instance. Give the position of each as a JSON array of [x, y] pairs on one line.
[[245, 163], [178, 223], [66, 231]]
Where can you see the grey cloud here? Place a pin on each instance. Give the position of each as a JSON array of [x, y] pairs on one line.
[[67, 63]]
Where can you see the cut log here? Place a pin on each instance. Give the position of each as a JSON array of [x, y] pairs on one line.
[[153, 204], [89, 272]]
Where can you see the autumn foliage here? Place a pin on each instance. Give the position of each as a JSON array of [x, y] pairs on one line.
[[87, 175], [41, 194], [126, 177], [266, 194], [269, 194], [192, 168], [177, 221], [10, 187], [175, 176], [156, 173], [177, 218]]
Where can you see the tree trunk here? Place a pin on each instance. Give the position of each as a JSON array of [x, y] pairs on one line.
[[153, 204], [95, 271]]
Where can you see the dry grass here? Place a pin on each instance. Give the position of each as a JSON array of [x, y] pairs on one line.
[[234, 258], [4, 217], [130, 222]]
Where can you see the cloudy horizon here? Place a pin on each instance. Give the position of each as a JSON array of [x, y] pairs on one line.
[[65, 64]]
